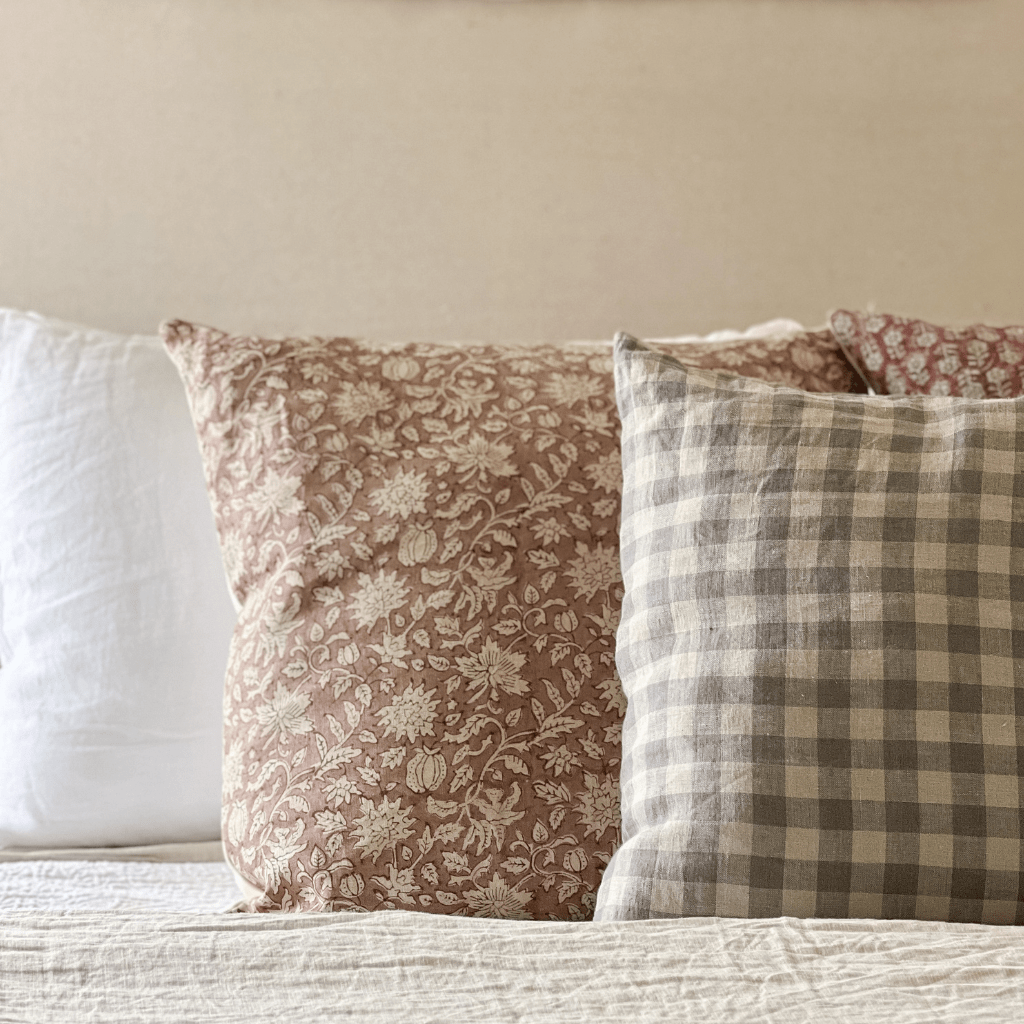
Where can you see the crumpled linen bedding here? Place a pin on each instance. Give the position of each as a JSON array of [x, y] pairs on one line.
[[56, 885], [142, 941], [406, 967]]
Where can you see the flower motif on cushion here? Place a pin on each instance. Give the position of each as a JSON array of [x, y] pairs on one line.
[[382, 826], [355, 401], [316, 373], [377, 440], [569, 388], [498, 812], [549, 530], [593, 569], [598, 805], [606, 473], [872, 355], [377, 597], [402, 495], [490, 579], [278, 854], [232, 548], [275, 497], [410, 714], [496, 669], [895, 382], [392, 650], [497, 899], [806, 358], [232, 768], [238, 822], [399, 884], [560, 760], [478, 456], [285, 713], [330, 563], [340, 790]]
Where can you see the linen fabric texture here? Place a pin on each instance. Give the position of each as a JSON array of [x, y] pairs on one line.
[[821, 645], [421, 704], [900, 356], [115, 612], [164, 968]]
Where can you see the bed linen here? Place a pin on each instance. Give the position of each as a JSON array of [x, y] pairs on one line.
[[206, 850], [54, 886], [395, 966]]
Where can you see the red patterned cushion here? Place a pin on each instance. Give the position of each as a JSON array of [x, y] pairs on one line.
[[898, 356]]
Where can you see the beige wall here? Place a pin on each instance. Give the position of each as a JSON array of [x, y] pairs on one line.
[[455, 169]]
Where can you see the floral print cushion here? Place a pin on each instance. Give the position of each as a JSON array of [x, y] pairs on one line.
[[421, 704], [899, 356]]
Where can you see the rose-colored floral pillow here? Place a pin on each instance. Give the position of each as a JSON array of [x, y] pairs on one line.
[[421, 705], [898, 356]]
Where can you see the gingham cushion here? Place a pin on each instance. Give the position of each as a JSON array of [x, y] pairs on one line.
[[821, 647]]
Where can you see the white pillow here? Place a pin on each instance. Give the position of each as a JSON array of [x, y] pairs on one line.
[[115, 618]]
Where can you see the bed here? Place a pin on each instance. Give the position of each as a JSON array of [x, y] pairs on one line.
[[148, 942], [164, 923]]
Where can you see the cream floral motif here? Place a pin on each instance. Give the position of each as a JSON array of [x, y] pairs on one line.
[[593, 570], [382, 826], [478, 456], [275, 497], [232, 769], [550, 530], [497, 899], [598, 805], [606, 473], [402, 495], [421, 707], [495, 668], [410, 715], [377, 597], [356, 400], [285, 713]]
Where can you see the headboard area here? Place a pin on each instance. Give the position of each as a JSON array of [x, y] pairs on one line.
[[441, 169]]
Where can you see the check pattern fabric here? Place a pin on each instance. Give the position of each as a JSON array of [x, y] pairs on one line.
[[821, 646]]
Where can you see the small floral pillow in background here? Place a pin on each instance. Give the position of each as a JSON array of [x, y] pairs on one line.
[[899, 356]]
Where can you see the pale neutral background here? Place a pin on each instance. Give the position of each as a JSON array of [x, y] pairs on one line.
[[440, 169]]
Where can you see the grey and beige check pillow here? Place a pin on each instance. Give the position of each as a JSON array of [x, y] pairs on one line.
[[822, 646]]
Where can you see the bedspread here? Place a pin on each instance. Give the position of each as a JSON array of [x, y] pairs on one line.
[[396, 966], [123, 886]]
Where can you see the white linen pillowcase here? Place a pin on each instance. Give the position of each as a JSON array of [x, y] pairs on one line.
[[115, 617]]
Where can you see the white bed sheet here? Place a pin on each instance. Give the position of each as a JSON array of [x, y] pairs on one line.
[[56, 886], [112, 940], [209, 851], [408, 967]]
